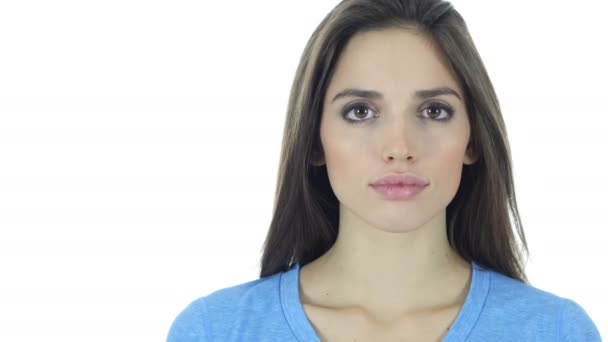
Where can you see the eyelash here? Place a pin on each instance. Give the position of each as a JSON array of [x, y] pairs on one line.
[[434, 105]]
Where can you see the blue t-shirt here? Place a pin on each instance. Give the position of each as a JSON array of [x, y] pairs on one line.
[[497, 308]]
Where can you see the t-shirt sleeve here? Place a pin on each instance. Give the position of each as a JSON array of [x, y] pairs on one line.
[[192, 324], [576, 325]]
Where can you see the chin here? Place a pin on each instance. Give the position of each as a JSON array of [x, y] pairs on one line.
[[398, 227]]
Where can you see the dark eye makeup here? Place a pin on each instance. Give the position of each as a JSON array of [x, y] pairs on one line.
[[433, 111]]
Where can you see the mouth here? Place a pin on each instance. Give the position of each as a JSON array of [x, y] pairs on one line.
[[401, 179], [398, 191], [399, 185]]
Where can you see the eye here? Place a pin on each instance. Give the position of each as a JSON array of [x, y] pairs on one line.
[[438, 112], [358, 112]]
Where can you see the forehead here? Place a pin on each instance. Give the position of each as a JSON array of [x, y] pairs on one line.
[[392, 60]]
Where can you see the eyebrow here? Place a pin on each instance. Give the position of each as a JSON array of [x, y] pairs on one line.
[[372, 94]]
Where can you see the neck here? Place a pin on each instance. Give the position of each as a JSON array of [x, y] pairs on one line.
[[388, 272]]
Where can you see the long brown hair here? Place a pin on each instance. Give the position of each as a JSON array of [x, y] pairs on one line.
[[481, 216]]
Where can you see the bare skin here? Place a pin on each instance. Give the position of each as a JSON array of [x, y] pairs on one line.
[[391, 275]]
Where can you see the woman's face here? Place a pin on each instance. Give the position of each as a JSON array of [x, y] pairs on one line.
[[391, 122]]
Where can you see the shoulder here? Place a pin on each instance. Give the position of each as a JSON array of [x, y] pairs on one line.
[[511, 292], [575, 324], [255, 295], [516, 306], [211, 315]]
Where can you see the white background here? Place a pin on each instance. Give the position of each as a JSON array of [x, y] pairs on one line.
[[139, 143]]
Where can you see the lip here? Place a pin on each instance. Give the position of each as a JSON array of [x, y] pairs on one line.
[[402, 186], [401, 179]]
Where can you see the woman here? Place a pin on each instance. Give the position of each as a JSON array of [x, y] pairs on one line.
[[395, 199]]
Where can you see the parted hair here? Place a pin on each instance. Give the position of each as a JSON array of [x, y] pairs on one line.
[[483, 223]]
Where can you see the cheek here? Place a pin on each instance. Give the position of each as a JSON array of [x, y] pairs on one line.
[[340, 158], [448, 167], [346, 161]]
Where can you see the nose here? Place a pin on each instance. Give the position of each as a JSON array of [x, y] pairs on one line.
[[397, 153], [397, 143]]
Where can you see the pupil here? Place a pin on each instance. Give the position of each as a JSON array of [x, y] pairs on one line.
[[434, 112], [361, 112]]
